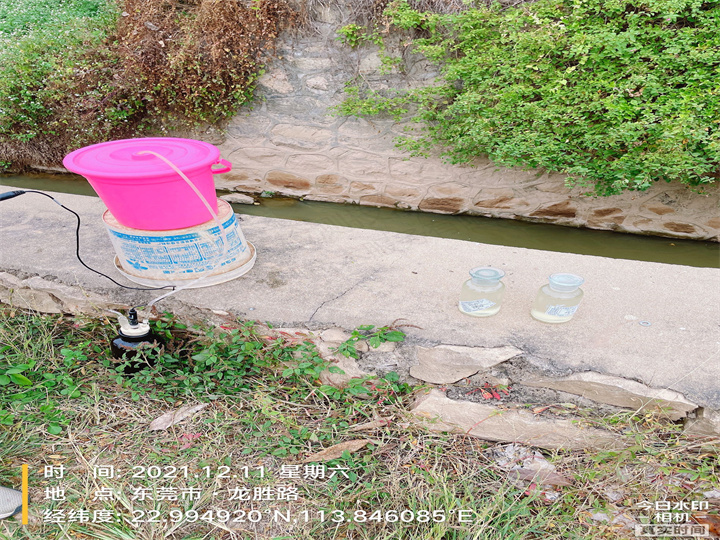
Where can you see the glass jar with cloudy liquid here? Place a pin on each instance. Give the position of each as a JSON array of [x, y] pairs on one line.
[[481, 295], [557, 301]]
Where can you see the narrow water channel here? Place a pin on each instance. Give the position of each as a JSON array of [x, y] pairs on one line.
[[504, 232]]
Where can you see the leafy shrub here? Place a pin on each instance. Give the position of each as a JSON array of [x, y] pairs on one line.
[[83, 71], [216, 364], [351, 35], [374, 338], [615, 93]]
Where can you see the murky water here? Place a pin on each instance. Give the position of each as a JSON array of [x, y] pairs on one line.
[[474, 229]]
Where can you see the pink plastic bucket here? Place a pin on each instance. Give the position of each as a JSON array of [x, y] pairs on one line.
[[141, 190]]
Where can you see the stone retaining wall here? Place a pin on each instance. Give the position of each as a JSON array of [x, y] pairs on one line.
[[289, 142]]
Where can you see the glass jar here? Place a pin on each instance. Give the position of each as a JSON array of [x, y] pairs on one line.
[[481, 295], [558, 301]]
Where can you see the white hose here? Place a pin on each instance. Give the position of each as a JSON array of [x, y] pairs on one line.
[[215, 217]]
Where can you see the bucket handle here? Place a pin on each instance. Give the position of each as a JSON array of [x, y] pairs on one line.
[[227, 166], [213, 213]]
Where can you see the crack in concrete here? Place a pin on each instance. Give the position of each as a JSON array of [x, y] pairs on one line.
[[337, 297]]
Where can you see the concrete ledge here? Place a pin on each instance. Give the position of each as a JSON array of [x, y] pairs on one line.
[[619, 392], [439, 413], [328, 275]]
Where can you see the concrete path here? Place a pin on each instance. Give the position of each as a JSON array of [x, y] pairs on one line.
[[349, 277]]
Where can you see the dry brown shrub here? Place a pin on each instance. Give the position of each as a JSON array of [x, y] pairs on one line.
[[168, 64], [197, 59]]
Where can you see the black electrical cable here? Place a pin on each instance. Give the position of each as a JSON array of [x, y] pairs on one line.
[[11, 194]]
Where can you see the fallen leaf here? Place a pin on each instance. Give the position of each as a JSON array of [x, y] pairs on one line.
[[381, 422], [538, 410], [711, 520], [337, 450], [189, 437], [624, 521], [543, 476], [171, 418]]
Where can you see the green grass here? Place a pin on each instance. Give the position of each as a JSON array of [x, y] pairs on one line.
[[23, 17], [266, 408]]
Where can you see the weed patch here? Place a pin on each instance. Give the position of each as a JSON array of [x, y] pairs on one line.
[[617, 95], [250, 464]]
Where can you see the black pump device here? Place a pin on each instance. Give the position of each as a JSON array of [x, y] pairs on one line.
[[133, 318], [134, 336]]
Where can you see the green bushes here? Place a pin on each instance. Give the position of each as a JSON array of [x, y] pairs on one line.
[[615, 93], [78, 72], [20, 18], [41, 46]]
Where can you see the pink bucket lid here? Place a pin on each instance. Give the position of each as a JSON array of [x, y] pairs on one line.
[[121, 159]]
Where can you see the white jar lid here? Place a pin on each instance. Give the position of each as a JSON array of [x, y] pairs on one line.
[[565, 282], [486, 273]]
